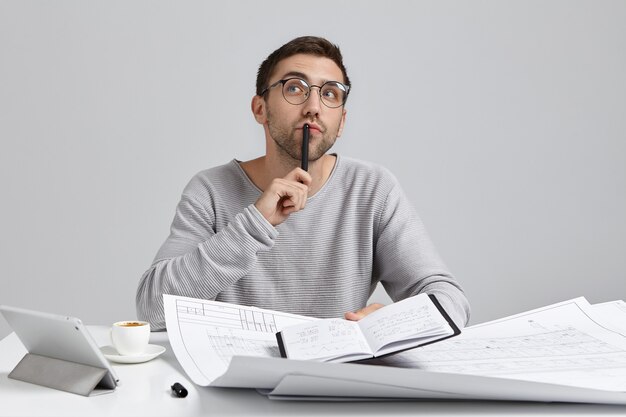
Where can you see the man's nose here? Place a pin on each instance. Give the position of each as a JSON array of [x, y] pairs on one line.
[[313, 103]]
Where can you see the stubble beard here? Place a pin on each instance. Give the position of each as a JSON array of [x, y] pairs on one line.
[[289, 141]]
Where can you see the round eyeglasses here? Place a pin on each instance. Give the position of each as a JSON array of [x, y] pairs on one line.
[[296, 91]]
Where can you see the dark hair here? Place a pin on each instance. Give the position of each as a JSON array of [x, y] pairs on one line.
[[311, 45]]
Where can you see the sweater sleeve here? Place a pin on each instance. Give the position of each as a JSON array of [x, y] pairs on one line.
[[195, 261], [407, 263]]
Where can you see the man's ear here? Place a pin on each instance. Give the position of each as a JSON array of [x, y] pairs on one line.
[[342, 123], [258, 109]]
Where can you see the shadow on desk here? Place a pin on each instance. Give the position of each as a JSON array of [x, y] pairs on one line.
[[226, 399]]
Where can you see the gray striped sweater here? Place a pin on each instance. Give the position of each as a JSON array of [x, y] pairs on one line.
[[323, 261]]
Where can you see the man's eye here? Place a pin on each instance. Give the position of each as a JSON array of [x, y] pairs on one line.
[[330, 94], [294, 89]]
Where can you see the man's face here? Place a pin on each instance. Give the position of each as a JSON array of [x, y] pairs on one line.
[[284, 121]]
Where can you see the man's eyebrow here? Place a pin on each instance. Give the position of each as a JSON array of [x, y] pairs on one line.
[[295, 74], [299, 75]]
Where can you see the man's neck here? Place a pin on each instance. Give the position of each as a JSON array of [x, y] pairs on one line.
[[263, 170]]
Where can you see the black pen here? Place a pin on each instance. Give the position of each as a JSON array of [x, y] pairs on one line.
[[179, 390], [305, 147]]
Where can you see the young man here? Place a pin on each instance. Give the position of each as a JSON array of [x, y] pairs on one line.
[[269, 234]]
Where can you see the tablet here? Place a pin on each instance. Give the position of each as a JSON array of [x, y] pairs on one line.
[[59, 337]]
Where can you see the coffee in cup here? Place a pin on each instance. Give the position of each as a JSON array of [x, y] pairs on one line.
[[130, 337]]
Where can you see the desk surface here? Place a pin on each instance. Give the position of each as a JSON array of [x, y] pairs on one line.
[[145, 390]]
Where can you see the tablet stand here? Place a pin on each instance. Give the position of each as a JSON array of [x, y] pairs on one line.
[[59, 374]]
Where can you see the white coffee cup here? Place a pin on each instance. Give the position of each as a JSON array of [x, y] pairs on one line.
[[130, 337]]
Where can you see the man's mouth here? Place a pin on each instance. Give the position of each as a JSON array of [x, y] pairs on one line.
[[312, 127]]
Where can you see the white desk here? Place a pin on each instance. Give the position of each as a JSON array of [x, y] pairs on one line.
[[145, 390]]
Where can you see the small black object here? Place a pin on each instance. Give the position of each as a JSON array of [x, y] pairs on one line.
[[305, 147], [179, 390]]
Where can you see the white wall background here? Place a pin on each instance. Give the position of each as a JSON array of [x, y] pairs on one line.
[[505, 121]]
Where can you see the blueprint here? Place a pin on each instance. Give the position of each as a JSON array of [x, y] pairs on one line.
[[570, 343], [206, 335], [570, 351]]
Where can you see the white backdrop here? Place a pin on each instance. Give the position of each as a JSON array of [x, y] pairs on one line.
[[505, 121]]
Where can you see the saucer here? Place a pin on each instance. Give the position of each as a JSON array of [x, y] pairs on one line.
[[152, 351]]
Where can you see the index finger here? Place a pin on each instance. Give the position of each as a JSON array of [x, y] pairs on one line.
[[299, 175]]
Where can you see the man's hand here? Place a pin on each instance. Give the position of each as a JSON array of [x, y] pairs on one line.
[[358, 315], [284, 196]]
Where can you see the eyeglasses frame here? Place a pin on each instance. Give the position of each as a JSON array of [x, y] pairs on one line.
[[319, 91]]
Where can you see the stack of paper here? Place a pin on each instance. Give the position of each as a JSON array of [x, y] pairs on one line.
[[570, 351]]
